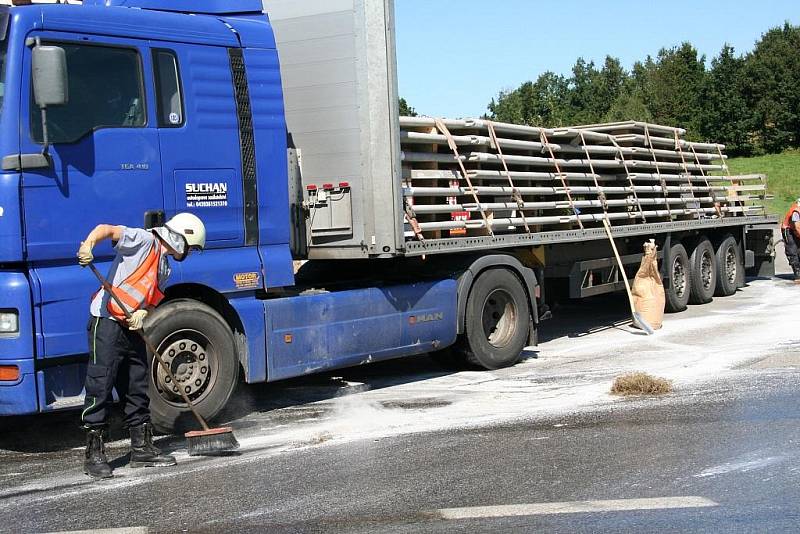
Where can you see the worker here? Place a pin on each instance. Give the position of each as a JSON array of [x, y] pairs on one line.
[[790, 228], [118, 356]]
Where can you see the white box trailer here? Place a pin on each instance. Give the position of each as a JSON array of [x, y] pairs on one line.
[[340, 91]]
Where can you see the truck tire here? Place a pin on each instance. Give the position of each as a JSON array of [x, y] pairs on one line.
[[497, 321], [730, 267], [199, 346], [677, 294], [704, 273]]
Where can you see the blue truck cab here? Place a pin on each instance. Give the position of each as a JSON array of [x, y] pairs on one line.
[[171, 107]]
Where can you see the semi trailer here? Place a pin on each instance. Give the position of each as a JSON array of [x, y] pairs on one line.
[[338, 233]]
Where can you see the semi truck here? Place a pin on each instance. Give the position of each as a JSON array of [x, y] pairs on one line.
[[327, 245]]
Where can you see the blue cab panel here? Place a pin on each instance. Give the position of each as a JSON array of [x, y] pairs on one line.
[[307, 334], [15, 295], [19, 398], [61, 387], [10, 219]]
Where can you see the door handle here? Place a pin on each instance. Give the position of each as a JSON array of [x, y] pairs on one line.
[[153, 219]]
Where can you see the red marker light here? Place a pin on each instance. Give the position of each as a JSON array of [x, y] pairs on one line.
[[327, 186], [344, 184], [311, 187]]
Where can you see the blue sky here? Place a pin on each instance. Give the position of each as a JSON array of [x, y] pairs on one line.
[[455, 55]]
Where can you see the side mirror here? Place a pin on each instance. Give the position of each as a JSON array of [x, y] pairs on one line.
[[50, 87]]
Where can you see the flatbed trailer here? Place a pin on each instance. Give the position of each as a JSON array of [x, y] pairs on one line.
[[375, 147], [339, 233]]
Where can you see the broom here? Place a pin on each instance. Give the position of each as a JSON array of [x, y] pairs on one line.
[[638, 322], [200, 442]]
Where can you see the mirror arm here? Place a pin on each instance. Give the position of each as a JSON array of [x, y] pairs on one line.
[[43, 109], [45, 138]]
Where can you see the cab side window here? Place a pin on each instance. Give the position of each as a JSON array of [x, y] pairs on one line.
[[168, 89], [106, 90]]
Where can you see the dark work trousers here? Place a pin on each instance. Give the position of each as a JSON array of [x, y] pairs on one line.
[[792, 247], [117, 358]]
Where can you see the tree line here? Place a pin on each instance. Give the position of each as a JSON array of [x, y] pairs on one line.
[[749, 102]]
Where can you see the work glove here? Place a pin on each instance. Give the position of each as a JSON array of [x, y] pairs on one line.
[[85, 256], [136, 320]]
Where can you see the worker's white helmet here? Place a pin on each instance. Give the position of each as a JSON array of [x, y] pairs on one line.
[[190, 227]]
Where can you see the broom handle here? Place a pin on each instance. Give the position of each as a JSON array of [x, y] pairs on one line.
[[150, 346], [621, 266]]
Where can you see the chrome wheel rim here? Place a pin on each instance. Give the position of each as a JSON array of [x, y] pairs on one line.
[[731, 266], [679, 277], [706, 269], [191, 357], [499, 318]]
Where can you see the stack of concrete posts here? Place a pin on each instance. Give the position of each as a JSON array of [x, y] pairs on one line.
[[477, 177]]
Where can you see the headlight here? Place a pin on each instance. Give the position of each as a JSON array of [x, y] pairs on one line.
[[9, 322]]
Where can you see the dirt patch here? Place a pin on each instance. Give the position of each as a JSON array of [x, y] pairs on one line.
[[640, 384], [319, 439], [415, 404]]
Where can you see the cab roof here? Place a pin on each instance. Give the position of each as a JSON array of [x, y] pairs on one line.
[[100, 17], [206, 7]]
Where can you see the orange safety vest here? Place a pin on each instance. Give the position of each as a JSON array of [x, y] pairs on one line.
[[787, 220], [140, 290]]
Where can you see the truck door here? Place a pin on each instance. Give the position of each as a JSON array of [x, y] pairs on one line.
[[199, 137], [106, 169]]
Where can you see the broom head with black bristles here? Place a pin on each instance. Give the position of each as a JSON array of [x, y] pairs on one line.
[[211, 442]]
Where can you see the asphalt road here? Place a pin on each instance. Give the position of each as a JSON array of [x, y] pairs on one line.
[[405, 447], [725, 454]]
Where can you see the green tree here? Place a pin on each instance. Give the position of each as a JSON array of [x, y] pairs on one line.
[[583, 104], [406, 110], [673, 87], [540, 103], [750, 103], [771, 84], [613, 83], [593, 91], [629, 106], [726, 117]]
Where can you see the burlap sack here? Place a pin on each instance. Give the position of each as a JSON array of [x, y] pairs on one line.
[[648, 290]]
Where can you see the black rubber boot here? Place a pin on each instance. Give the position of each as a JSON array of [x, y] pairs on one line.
[[96, 463], [796, 269], [143, 452]]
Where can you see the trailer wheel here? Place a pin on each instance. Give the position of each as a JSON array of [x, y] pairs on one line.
[[677, 294], [497, 321], [197, 344], [704, 273], [730, 268]]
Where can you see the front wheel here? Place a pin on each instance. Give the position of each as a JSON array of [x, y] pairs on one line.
[[198, 346]]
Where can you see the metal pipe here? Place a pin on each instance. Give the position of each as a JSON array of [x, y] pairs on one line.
[[515, 144], [483, 157], [429, 209], [414, 191], [567, 219]]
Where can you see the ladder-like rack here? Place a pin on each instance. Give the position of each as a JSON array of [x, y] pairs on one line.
[[469, 177]]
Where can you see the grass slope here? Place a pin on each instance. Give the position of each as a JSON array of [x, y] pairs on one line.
[[783, 176]]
